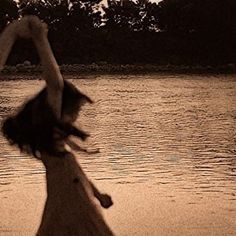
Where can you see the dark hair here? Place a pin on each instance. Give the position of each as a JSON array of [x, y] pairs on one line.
[[34, 127]]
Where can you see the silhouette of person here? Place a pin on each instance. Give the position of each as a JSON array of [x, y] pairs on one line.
[[42, 127]]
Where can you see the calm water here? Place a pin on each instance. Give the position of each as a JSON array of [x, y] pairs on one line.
[[167, 131]]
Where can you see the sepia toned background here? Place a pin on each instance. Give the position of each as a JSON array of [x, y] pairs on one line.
[[167, 154], [163, 78]]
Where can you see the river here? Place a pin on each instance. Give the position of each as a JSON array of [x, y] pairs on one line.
[[167, 154]]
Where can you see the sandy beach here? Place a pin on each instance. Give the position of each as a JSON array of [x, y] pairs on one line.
[[138, 210]]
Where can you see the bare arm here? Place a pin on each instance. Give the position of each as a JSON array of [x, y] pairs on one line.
[[52, 75], [7, 39], [18, 28], [32, 27]]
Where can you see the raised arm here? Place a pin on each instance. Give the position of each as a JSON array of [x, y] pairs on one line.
[[18, 28], [32, 27], [52, 75], [7, 39]]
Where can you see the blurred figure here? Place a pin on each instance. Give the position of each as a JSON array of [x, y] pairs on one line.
[[42, 128]]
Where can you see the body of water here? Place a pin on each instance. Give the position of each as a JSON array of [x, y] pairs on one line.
[[167, 154]]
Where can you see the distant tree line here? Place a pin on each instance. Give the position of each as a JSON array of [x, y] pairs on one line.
[[129, 31]]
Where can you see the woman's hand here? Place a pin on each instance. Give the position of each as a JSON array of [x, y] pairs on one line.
[[105, 200]]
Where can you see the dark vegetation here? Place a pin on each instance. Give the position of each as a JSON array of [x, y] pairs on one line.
[[179, 32]]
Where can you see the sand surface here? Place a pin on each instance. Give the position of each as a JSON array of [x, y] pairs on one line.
[[138, 210]]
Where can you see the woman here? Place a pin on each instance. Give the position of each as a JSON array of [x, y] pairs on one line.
[[42, 127]]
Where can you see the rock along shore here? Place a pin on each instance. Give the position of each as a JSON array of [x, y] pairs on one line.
[[27, 68]]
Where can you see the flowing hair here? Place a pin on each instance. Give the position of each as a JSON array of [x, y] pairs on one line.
[[34, 128]]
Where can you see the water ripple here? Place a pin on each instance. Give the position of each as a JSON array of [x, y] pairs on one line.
[[175, 131]]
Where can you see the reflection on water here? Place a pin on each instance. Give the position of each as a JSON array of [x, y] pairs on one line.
[[174, 131]]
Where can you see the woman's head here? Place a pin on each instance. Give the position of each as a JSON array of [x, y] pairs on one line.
[[72, 102], [33, 128]]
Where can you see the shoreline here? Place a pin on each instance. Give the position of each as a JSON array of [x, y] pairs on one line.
[[25, 69]]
